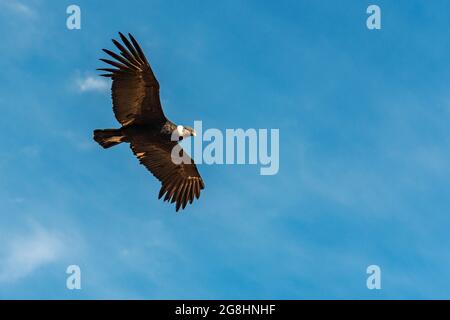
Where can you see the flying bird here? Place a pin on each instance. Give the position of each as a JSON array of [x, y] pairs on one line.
[[137, 107]]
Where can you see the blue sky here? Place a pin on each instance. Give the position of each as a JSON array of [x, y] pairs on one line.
[[364, 152]]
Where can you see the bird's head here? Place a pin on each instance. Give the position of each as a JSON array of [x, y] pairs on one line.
[[185, 131]]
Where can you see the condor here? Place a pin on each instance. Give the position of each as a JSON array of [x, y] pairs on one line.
[[137, 107]]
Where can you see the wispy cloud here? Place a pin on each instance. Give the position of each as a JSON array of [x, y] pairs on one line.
[[26, 253], [17, 7], [91, 83]]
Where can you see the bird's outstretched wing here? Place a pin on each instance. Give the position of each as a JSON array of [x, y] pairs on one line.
[[135, 90], [180, 183]]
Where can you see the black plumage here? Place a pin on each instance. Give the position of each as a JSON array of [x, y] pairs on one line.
[[137, 107]]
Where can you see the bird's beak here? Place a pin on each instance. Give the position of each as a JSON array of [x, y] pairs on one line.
[[194, 133]]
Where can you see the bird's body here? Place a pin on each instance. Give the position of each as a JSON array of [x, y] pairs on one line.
[[136, 105]]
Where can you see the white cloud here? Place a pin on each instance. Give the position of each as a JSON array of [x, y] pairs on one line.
[[17, 7], [91, 83], [24, 254]]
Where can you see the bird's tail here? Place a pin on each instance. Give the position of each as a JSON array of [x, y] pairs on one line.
[[108, 137]]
